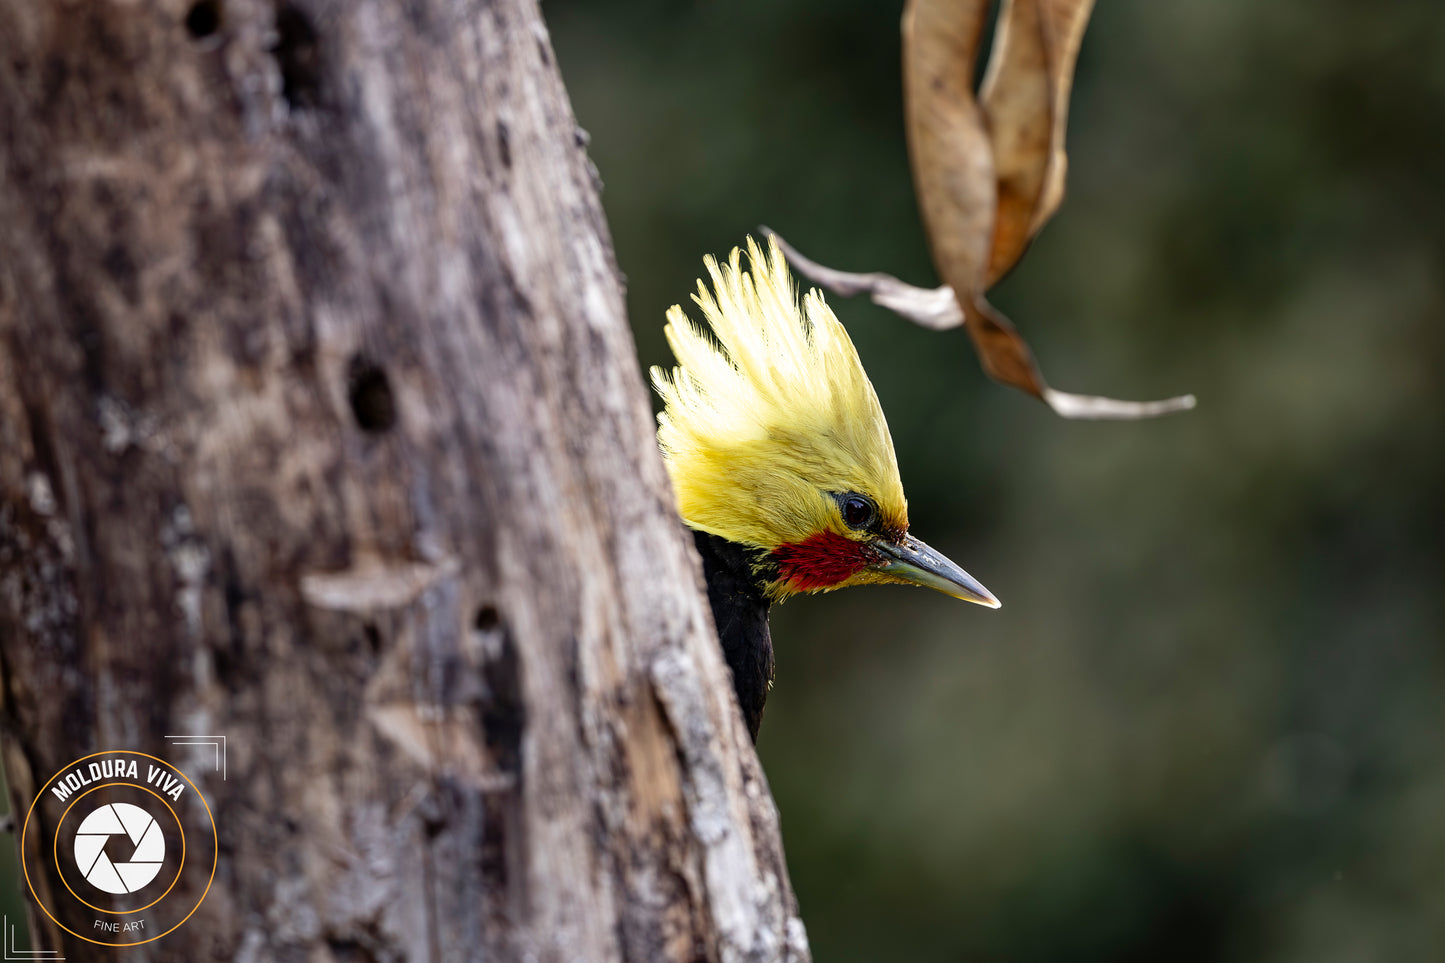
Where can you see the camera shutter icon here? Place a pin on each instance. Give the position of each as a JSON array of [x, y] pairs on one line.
[[119, 819]]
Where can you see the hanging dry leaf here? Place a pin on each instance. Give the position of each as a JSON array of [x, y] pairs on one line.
[[989, 173], [1064, 22], [1025, 99], [1015, 100], [948, 144]]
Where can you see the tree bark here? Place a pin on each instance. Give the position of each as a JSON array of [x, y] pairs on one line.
[[323, 432]]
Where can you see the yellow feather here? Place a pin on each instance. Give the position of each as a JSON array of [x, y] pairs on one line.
[[771, 414]]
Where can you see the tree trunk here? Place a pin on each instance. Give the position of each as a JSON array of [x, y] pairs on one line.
[[323, 433]]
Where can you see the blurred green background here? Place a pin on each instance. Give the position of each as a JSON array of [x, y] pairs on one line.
[[1209, 722]]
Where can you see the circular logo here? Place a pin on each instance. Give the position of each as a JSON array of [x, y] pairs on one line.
[[119, 848], [119, 821]]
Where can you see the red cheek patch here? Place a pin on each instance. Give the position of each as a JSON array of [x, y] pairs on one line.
[[820, 561]]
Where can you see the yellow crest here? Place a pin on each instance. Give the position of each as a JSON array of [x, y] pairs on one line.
[[770, 418]]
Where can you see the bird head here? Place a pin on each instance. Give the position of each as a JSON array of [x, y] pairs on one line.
[[775, 440]]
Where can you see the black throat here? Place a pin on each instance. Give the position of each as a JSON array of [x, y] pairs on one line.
[[740, 610]]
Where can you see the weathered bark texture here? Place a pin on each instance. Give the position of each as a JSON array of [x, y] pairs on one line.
[[323, 431]]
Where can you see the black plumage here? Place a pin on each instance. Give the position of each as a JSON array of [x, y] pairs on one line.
[[740, 610]]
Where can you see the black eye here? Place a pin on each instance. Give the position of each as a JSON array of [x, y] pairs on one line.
[[858, 511]]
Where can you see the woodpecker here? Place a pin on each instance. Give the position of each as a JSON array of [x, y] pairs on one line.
[[781, 461]]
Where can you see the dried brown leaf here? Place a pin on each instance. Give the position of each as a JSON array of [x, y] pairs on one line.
[[1005, 355], [1016, 102], [948, 141], [1064, 22], [954, 174], [988, 172], [1025, 101]]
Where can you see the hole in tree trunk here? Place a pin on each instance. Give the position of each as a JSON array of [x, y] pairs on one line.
[[487, 619], [298, 54], [203, 19], [369, 391], [373, 637]]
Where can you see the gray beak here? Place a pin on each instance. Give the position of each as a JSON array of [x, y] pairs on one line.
[[910, 560]]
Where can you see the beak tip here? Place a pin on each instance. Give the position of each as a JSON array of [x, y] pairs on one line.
[[984, 598], [910, 560]]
